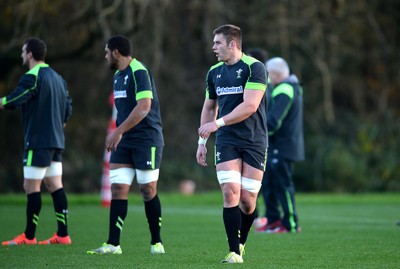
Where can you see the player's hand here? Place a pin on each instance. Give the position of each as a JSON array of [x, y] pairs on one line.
[[201, 155], [206, 129], [113, 140]]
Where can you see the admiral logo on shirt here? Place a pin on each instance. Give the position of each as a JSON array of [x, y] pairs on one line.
[[119, 94], [229, 90]]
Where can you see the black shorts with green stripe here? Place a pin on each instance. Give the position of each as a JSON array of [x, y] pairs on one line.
[[255, 156], [142, 158], [41, 157]]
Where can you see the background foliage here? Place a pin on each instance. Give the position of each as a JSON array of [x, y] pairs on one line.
[[344, 52]]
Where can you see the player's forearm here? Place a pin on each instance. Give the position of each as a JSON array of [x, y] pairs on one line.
[[239, 114], [209, 111], [250, 104], [134, 118], [207, 116]]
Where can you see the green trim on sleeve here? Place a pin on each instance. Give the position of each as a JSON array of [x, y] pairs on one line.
[[207, 94], [136, 65], [283, 88], [288, 90], [22, 94], [34, 72], [144, 94], [255, 86]]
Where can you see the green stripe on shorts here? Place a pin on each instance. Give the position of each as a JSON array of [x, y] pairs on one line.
[[29, 158], [153, 157]]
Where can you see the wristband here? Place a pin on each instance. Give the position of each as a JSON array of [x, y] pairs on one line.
[[220, 122], [202, 141]]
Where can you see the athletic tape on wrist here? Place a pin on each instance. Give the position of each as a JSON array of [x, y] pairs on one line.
[[220, 122], [202, 141]]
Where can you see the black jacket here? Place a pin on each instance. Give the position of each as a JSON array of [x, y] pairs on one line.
[[46, 106], [285, 120]]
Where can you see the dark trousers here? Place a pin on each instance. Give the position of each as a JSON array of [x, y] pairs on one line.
[[279, 193]]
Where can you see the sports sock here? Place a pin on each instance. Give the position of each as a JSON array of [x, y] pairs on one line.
[[232, 221], [33, 207], [118, 211], [153, 214], [61, 208], [247, 222]]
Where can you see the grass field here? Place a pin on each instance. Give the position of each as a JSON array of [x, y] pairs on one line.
[[338, 231]]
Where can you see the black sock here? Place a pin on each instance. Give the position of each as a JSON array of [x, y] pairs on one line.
[[153, 214], [61, 208], [118, 211], [256, 213], [32, 214], [247, 222], [232, 221]]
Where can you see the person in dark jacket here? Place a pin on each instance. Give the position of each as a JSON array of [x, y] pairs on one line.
[[286, 146], [46, 106]]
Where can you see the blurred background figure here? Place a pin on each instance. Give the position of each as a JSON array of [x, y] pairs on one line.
[[286, 145], [187, 187], [105, 177]]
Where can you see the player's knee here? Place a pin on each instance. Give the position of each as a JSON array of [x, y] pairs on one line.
[[119, 191], [247, 205], [148, 191], [230, 196], [31, 186], [53, 183]]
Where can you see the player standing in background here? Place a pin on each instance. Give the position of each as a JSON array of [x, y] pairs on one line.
[[235, 93], [46, 106], [286, 145], [136, 144]]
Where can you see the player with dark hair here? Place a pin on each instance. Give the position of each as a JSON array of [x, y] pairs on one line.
[[136, 144], [235, 93], [46, 106]]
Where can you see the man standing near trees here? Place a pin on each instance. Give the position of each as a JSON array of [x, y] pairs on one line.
[[235, 93], [46, 106], [136, 144], [286, 145]]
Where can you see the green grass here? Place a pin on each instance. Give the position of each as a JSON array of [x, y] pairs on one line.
[[339, 231]]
